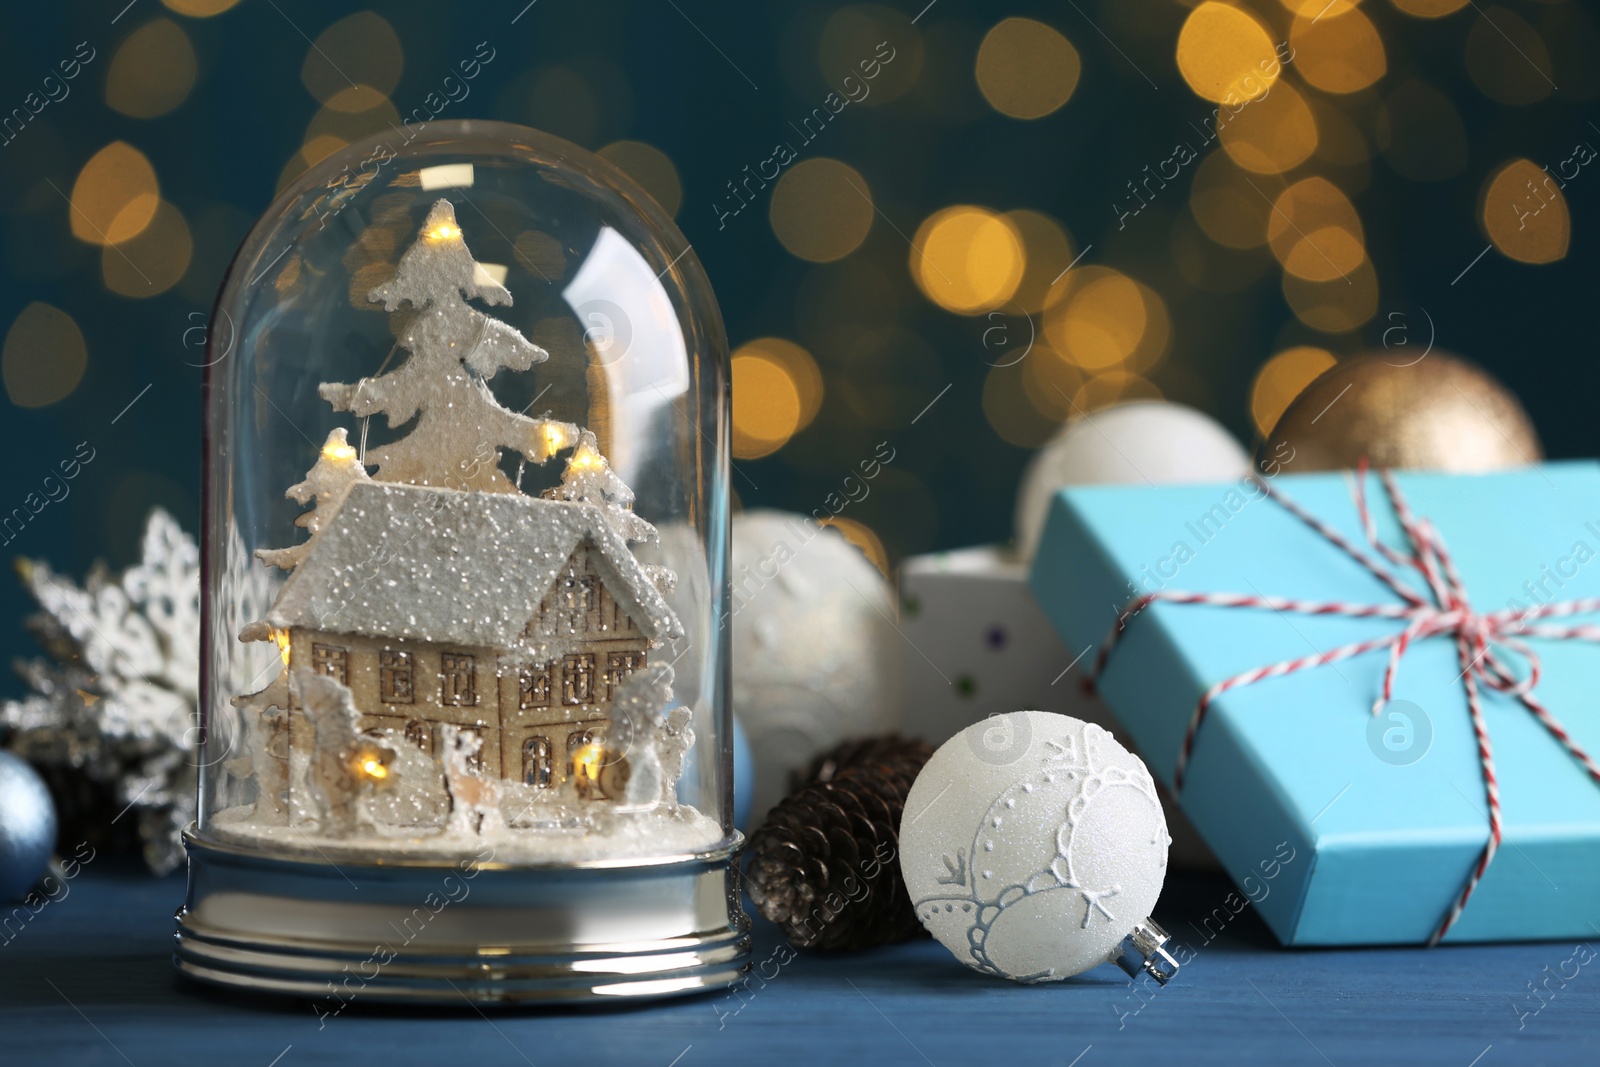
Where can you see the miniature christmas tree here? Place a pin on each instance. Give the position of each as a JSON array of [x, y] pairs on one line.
[[589, 479], [336, 470], [268, 747], [454, 348], [346, 765]]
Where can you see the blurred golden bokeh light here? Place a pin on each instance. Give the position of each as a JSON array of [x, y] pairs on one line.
[[1281, 379], [199, 9], [1211, 267], [1009, 410], [1101, 320], [1047, 251], [1050, 382], [1337, 306], [1525, 213], [1338, 53], [541, 253], [1157, 339], [766, 406], [1273, 134], [1315, 232], [352, 114], [349, 123], [1507, 58], [1320, 8], [44, 356], [1226, 55], [1113, 387], [870, 54], [355, 98], [1325, 254], [1430, 9], [1230, 205], [152, 262], [651, 168], [967, 259], [1341, 145], [1420, 133], [359, 49], [318, 148], [152, 71], [1026, 69], [115, 195], [821, 209], [797, 363]]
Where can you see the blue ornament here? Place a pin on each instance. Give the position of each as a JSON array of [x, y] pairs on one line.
[[27, 827], [744, 776]]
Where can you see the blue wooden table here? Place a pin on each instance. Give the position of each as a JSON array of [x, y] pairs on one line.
[[89, 980]]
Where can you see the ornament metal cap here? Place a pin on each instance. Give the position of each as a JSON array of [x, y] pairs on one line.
[[1144, 949]]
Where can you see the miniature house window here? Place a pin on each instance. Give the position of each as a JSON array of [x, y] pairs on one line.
[[580, 601], [578, 738], [458, 680], [537, 765], [618, 666], [586, 594], [396, 677], [577, 679], [533, 689], [332, 660], [420, 733]]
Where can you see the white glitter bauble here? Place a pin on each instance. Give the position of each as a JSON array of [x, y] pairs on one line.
[[1146, 441], [1032, 844], [816, 657]]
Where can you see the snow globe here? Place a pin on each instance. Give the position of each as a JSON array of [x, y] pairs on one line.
[[467, 734]]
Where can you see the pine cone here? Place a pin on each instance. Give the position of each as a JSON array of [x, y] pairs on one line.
[[825, 866]]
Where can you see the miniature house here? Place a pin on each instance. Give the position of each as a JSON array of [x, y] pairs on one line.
[[513, 616]]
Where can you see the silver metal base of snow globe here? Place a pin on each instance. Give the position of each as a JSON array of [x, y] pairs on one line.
[[342, 931]]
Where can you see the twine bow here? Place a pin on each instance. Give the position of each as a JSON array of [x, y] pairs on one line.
[[1484, 641]]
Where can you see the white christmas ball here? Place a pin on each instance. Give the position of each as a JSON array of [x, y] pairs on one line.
[[816, 657], [1146, 441], [1031, 845]]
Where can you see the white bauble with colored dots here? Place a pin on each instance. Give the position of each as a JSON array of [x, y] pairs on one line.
[[1145, 442], [816, 657], [1032, 844]]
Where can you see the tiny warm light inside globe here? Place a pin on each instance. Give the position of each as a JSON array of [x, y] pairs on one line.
[[587, 761], [282, 638], [368, 765], [555, 438], [445, 231], [338, 451], [585, 458]]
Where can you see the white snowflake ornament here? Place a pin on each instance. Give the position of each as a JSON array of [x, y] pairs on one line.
[[1034, 847], [116, 703]]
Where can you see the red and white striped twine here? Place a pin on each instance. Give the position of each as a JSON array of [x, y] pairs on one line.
[[1482, 640]]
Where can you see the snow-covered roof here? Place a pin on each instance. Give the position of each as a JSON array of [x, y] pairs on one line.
[[428, 564]]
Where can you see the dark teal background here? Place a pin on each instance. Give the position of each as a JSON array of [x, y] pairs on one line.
[[656, 77]]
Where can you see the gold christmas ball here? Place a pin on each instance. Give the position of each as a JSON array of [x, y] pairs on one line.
[[1436, 413]]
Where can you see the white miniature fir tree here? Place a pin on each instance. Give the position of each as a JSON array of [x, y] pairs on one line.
[[336, 470], [454, 348], [589, 479]]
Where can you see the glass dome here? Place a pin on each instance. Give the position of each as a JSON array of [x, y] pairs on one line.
[[466, 516]]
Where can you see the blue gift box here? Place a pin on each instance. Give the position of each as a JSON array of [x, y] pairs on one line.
[[1342, 828]]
